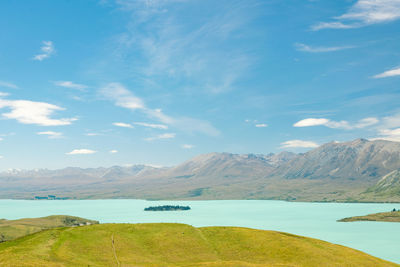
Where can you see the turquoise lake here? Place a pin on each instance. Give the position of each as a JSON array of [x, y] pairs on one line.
[[318, 220]]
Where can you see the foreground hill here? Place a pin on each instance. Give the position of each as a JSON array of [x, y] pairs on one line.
[[12, 229], [355, 171], [176, 245]]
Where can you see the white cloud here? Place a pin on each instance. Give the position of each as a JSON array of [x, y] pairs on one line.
[[366, 122], [121, 96], [3, 94], [333, 25], [159, 115], [30, 112], [390, 122], [388, 73], [336, 124], [261, 125], [124, 98], [1, 139], [8, 85], [83, 151], [363, 13], [92, 134], [152, 125], [113, 151], [161, 136], [389, 128], [51, 134], [71, 85], [299, 144], [47, 50], [311, 122], [389, 135], [320, 49], [187, 146], [123, 124], [1, 157]]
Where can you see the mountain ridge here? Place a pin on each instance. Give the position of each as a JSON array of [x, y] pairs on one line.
[[332, 172]]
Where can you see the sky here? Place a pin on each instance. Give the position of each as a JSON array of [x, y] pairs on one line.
[[118, 82]]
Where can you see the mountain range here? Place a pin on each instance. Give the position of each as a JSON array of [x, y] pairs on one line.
[[355, 171]]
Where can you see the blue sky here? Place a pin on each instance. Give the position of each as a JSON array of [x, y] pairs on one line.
[[101, 83]]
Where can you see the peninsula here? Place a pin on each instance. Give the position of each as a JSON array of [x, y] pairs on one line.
[[391, 216]]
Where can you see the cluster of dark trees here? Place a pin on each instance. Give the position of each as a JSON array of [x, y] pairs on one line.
[[167, 208], [50, 197]]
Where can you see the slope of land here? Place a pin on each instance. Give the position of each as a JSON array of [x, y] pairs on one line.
[[392, 216], [387, 188], [175, 245], [355, 171], [12, 229], [358, 159]]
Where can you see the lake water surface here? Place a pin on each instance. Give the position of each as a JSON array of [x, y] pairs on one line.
[[318, 220]]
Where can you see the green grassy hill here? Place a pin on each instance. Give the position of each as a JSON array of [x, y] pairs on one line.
[[11, 229], [175, 245]]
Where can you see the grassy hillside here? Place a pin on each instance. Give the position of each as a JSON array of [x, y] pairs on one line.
[[392, 216], [387, 188], [175, 245], [11, 229]]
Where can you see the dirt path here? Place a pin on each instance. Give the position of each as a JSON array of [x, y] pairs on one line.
[[115, 253]]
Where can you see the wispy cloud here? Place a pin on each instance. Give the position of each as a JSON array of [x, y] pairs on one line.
[[257, 124], [82, 151], [320, 49], [71, 85], [46, 51], [363, 13], [113, 151], [309, 122], [389, 135], [179, 51], [122, 97], [366, 122], [123, 124], [92, 134], [187, 146], [161, 136], [3, 94], [389, 128], [51, 134], [299, 144], [152, 125], [8, 85], [30, 112], [388, 73]]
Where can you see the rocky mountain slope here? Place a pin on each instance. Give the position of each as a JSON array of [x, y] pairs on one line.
[[348, 171], [358, 159]]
